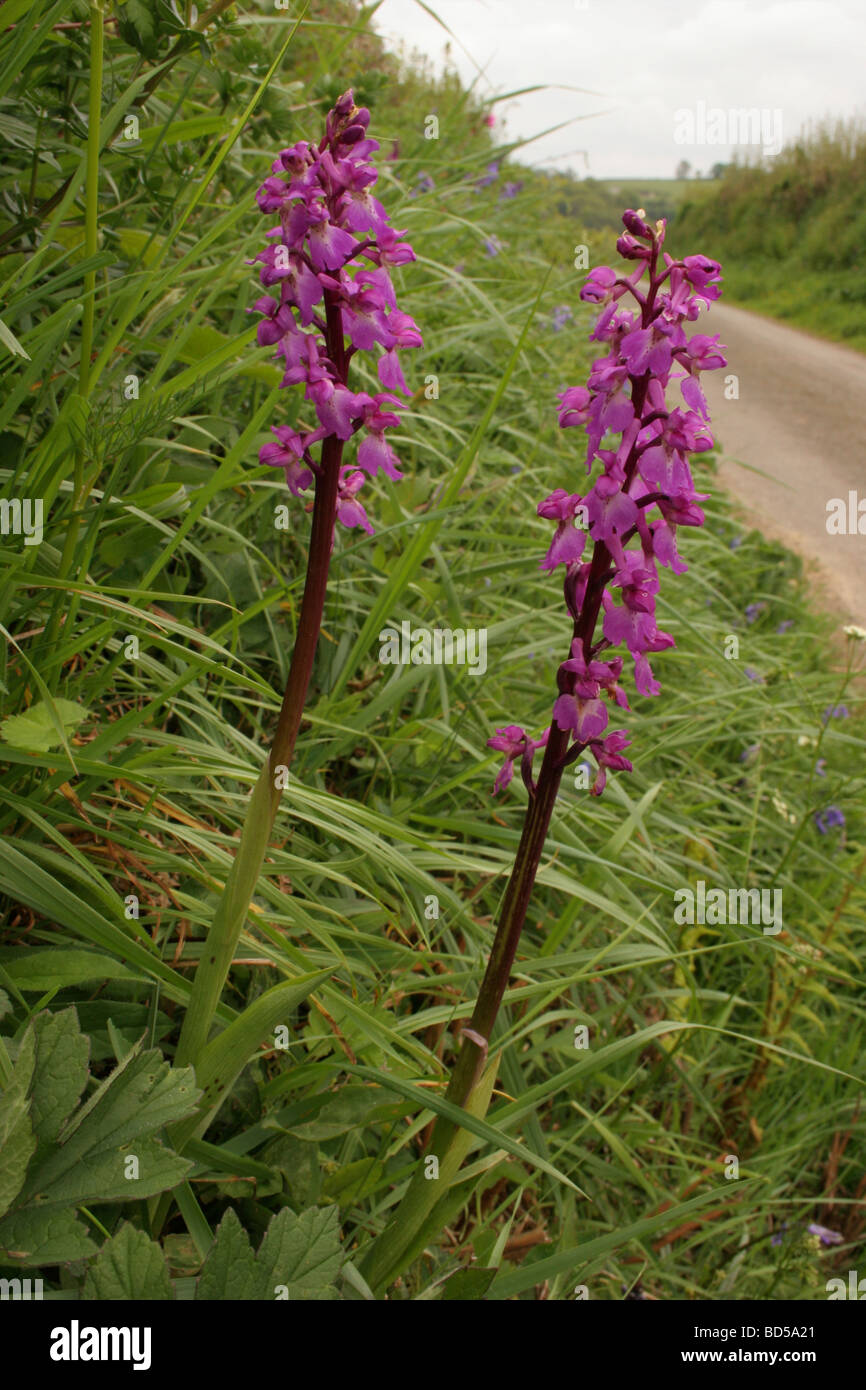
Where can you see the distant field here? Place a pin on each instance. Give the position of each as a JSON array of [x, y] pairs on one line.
[[660, 197]]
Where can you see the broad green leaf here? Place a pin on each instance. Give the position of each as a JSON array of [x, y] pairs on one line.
[[60, 1073], [34, 1237], [141, 1096], [52, 967], [229, 1273], [299, 1256], [36, 731], [17, 1144], [301, 1253], [129, 1266]]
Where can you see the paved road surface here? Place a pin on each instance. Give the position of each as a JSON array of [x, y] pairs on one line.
[[801, 419]]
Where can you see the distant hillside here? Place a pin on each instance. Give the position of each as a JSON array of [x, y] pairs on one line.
[[790, 233]]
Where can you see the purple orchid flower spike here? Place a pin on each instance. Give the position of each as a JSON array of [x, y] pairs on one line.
[[330, 222], [642, 493], [644, 490], [327, 265]]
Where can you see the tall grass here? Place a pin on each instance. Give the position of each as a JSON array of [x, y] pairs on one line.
[[148, 638]]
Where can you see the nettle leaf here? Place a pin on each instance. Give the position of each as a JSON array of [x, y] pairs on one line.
[[130, 1265], [303, 1253], [142, 23], [32, 1237], [141, 1096], [60, 1073], [35, 731], [229, 1271], [17, 1144], [299, 1258], [84, 1151]]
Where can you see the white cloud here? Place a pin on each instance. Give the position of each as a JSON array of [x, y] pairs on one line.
[[646, 61]]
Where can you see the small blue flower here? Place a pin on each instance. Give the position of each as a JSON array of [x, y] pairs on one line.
[[826, 1237], [490, 177], [836, 712], [830, 819]]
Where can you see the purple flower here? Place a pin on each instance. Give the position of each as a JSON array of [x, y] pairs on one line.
[[515, 743], [329, 224], [830, 819], [485, 180], [821, 767], [646, 348], [836, 712], [568, 542], [511, 189], [751, 674], [785, 625], [752, 611], [561, 316], [826, 1237], [492, 245], [349, 510]]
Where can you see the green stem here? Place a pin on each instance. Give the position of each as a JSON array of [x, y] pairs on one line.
[[231, 913], [383, 1260]]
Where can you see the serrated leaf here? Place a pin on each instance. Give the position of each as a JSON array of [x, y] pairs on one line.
[[60, 1073], [35, 731], [302, 1252], [33, 1237], [17, 1145], [229, 1271], [130, 1265], [299, 1254], [141, 1096], [137, 25]]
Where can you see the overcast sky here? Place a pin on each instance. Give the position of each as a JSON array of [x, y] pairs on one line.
[[664, 69]]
